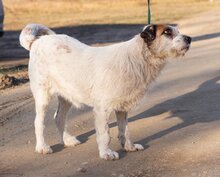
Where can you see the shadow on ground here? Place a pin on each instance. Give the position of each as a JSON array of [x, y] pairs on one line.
[[199, 106], [89, 34], [206, 36]]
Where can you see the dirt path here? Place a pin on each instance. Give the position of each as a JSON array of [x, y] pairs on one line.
[[178, 123]]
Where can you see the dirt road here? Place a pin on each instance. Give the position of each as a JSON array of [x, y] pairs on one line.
[[178, 123]]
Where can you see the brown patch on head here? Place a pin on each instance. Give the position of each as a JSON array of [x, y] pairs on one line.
[[64, 48], [160, 29], [152, 32], [165, 30]]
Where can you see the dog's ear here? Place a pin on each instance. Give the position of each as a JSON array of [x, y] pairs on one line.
[[149, 33]]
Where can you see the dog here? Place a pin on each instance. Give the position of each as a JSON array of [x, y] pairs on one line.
[[110, 78]]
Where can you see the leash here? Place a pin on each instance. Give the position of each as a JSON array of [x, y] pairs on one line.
[[148, 12]]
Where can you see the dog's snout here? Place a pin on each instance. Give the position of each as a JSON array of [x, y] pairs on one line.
[[187, 39]]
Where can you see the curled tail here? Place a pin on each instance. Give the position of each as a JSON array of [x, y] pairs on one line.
[[31, 33]]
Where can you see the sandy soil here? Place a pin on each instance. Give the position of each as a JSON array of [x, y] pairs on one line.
[[178, 122]]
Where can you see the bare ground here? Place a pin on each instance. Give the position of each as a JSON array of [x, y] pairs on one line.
[[178, 122]]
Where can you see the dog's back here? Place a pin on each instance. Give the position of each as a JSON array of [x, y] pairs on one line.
[[78, 72]]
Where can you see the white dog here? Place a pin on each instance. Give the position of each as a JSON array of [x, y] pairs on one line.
[[110, 78]]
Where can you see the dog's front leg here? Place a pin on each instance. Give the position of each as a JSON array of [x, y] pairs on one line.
[[123, 133], [102, 134]]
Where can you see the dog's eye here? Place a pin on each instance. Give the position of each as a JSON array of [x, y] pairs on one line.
[[167, 32]]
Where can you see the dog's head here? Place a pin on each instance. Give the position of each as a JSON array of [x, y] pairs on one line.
[[165, 40]]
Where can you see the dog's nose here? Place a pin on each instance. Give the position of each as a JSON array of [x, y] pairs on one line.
[[187, 39]]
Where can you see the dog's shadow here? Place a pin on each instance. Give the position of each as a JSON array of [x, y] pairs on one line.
[[57, 148], [199, 106]]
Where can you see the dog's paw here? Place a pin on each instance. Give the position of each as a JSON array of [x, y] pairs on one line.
[[70, 141], [133, 147], [44, 149], [109, 155]]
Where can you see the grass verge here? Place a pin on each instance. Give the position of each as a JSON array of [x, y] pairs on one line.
[[56, 13]]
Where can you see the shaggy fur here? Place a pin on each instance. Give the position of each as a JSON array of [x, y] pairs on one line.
[[110, 78]]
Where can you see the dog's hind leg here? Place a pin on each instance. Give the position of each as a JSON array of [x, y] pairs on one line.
[[42, 98], [102, 134], [60, 119], [123, 133]]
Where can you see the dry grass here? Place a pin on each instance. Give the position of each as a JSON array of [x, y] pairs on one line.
[[56, 13]]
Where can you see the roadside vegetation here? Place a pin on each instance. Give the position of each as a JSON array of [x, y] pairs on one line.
[[56, 13]]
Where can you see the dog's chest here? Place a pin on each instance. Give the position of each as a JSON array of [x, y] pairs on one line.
[[135, 86]]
